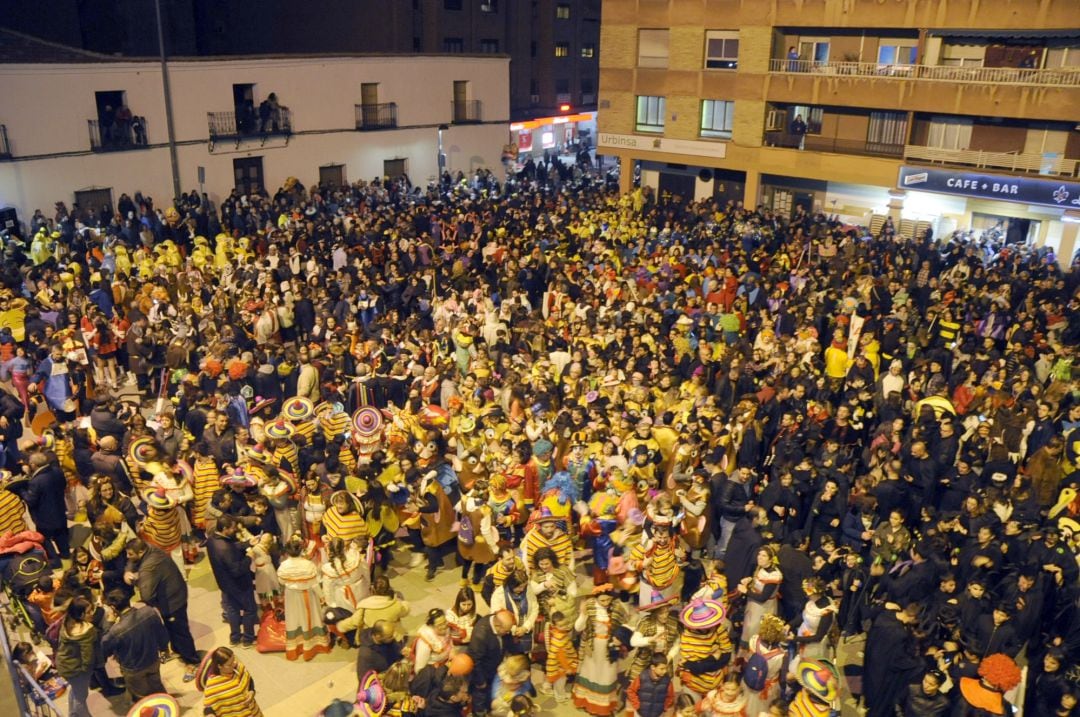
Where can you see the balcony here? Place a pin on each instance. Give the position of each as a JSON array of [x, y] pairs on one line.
[[465, 112], [1030, 163], [1059, 77], [834, 145], [121, 136], [224, 126], [5, 150], [376, 116]]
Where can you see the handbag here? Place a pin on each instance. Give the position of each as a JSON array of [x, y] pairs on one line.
[[271, 635]]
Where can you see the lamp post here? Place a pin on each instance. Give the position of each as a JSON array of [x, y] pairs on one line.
[[168, 103]]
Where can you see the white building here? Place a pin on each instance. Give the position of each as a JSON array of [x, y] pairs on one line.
[[345, 118]]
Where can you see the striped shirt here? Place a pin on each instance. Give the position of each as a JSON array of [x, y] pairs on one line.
[[560, 543], [287, 453], [694, 647], [663, 568], [345, 526], [231, 696], [206, 481], [162, 528], [12, 511]]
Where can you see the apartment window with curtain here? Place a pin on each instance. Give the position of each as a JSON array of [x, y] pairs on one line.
[[588, 50], [721, 49], [562, 49], [562, 12], [812, 116], [653, 48], [717, 118], [887, 129], [650, 113], [490, 47], [896, 52]]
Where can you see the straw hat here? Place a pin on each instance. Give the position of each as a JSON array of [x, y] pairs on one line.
[[297, 409], [159, 499], [702, 614]]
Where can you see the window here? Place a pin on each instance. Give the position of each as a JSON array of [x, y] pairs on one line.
[[650, 114], [814, 49], [453, 44], [562, 49], [562, 12], [562, 87], [887, 128], [721, 49], [416, 44], [588, 85], [652, 48], [896, 53], [489, 6], [490, 47], [588, 50], [451, 4], [812, 116], [717, 117]]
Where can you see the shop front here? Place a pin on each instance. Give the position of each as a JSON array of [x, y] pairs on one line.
[[562, 135]]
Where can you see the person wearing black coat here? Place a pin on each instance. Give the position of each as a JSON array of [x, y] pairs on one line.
[[45, 499], [105, 423], [231, 566], [11, 428], [162, 586], [486, 650], [451, 699], [743, 548], [911, 581], [734, 500], [892, 662], [376, 649], [795, 566]]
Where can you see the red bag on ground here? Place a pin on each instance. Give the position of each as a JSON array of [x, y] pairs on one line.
[[271, 637]]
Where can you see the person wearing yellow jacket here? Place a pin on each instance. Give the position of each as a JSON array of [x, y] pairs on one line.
[[836, 358]]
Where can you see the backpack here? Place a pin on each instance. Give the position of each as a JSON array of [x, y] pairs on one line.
[[756, 670], [465, 533]]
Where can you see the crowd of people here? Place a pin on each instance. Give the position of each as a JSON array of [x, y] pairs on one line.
[[683, 456]]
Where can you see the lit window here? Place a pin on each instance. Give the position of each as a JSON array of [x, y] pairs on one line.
[[717, 117], [562, 49], [653, 48], [721, 49], [562, 12], [650, 114], [588, 50]]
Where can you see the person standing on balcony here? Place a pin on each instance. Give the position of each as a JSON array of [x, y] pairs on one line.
[[792, 59], [798, 131]]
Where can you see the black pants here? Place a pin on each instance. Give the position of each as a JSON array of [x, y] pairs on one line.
[[183, 644], [57, 544], [242, 615]]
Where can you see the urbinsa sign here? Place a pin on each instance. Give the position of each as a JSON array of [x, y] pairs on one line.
[[1047, 192]]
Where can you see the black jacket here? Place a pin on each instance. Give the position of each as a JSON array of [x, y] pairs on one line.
[[161, 584], [373, 656], [136, 639], [486, 650], [230, 564], [45, 499]]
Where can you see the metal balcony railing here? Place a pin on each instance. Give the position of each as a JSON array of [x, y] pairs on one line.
[[118, 136], [465, 111], [376, 116], [814, 143], [1063, 76], [1012, 161], [5, 150], [226, 125]]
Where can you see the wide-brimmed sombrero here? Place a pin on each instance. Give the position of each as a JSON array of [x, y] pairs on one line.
[[142, 450], [280, 429], [186, 471], [371, 697], [159, 499], [202, 672], [259, 454], [819, 678], [156, 705], [260, 404], [238, 478], [702, 614], [657, 601], [367, 421], [298, 409]]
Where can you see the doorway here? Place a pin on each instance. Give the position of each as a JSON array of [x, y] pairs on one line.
[[332, 175], [394, 168], [112, 128], [248, 174], [244, 106], [677, 185], [94, 200]]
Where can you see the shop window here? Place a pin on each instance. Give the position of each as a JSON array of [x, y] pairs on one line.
[[653, 48], [650, 113], [721, 49], [717, 118]]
